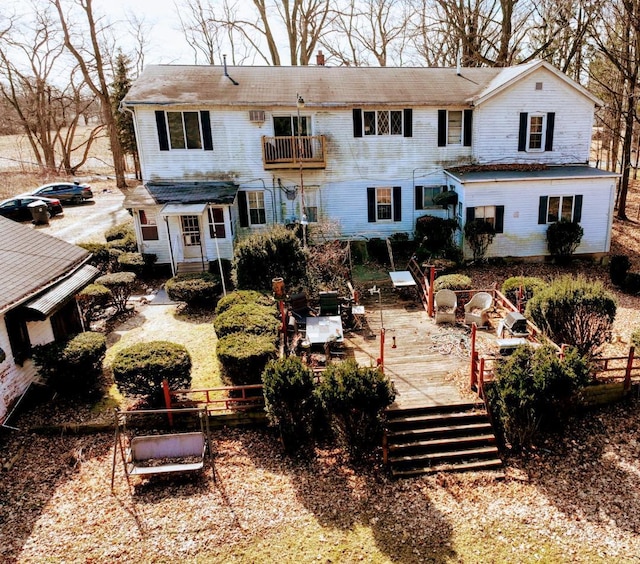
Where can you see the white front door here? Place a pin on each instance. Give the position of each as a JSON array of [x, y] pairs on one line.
[[191, 238]]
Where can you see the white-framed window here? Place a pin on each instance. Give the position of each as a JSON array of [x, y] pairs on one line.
[[184, 130], [454, 127], [488, 213], [148, 226], [255, 205], [216, 223], [311, 205], [425, 195], [535, 137], [382, 122], [384, 204], [559, 208]]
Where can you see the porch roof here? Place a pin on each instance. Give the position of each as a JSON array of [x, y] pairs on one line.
[[152, 193], [506, 173]]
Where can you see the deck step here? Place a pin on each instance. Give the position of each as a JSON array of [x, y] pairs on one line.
[[188, 267], [434, 420], [477, 465], [428, 439], [411, 435]]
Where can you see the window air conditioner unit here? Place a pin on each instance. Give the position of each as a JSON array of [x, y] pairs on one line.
[[256, 116]]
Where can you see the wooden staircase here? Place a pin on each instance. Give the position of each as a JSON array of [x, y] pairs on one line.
[[188, 267], [449, 438]]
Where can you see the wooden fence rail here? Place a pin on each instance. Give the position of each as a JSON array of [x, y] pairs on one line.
[[222, 399]]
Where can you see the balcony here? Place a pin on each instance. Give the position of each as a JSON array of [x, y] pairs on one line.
[[292, 152]]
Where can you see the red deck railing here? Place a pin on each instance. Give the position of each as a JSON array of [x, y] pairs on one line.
[[222, 399]]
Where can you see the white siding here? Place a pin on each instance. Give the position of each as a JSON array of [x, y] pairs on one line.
[[523, 236], [14, 379], [496, 122]]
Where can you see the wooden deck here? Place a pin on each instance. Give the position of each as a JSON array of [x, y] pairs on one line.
[[425, 356]]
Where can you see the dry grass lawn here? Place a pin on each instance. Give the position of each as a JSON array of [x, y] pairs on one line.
[[574, 499]]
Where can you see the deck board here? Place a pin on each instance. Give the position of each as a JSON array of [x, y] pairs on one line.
[[425, 356]]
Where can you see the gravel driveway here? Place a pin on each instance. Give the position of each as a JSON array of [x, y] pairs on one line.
[[88, 222]]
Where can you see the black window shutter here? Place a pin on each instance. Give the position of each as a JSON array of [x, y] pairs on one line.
[[471, 214], [542, 210], [551, 121], [371, 204], [243, 209], [442, 128], [161, 125], [419, 198], [577, 209], [206, 130], [468, 122], [397, 203], [522, 134], [357, 122], [499, 219], [408, 122]]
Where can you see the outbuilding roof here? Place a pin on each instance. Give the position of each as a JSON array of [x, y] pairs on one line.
[[31, 261], [320, 86]]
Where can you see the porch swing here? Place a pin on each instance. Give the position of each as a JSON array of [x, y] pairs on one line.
[[147, 455]]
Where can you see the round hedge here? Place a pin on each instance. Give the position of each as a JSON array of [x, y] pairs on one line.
[[140, 369], [248, 318], [193, 287], [242, 297], [243, 357], [452, 282]]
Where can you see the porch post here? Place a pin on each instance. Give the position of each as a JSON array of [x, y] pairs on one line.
[[432, 278], [474, 358]]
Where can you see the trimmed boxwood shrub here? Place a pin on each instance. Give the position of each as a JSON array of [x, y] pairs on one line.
[[248, 318], [290, 400], [140, 369], [242, 297], [194, 287], [632, 283], [127, 244], [121, 286], [73, 366], [131, 262], [574, 311], [102, 256], [91, 300], [354, 399], [452, 282], [619, 266], [530, 286], [243, 357]]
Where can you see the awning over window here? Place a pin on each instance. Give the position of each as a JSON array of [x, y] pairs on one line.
[[183, 209], [57, 296]]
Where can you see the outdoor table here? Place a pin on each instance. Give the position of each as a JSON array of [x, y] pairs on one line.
[[324, 328], [402, 279]]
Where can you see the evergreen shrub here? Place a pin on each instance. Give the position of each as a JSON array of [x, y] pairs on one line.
[[243, 357]]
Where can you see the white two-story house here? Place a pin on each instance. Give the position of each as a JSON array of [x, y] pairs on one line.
[[227, 151]]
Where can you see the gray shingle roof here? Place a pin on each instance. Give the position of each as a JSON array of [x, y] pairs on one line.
[[319, 86], [31, 260]]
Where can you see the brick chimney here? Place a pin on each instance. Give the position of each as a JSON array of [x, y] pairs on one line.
[[320, 59]]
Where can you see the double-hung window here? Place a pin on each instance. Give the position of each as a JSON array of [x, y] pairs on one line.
[[487, 213], [216, 223], [536, 132], [493, 215], [148, 226], [384, 203], [257, 212], [454, 127], [560, 208]]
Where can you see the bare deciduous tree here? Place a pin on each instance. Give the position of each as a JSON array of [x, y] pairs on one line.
[[88, 49]]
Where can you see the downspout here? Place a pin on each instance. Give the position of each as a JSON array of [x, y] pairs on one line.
[[173, 266]]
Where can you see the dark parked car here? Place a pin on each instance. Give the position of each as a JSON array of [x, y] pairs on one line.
[[67, 192], [17, 208]]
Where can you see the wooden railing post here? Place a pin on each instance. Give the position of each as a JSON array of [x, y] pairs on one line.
[[481, 379], [627, 374], [167, 399], [474, 357], [432, 279], [385, 449]]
